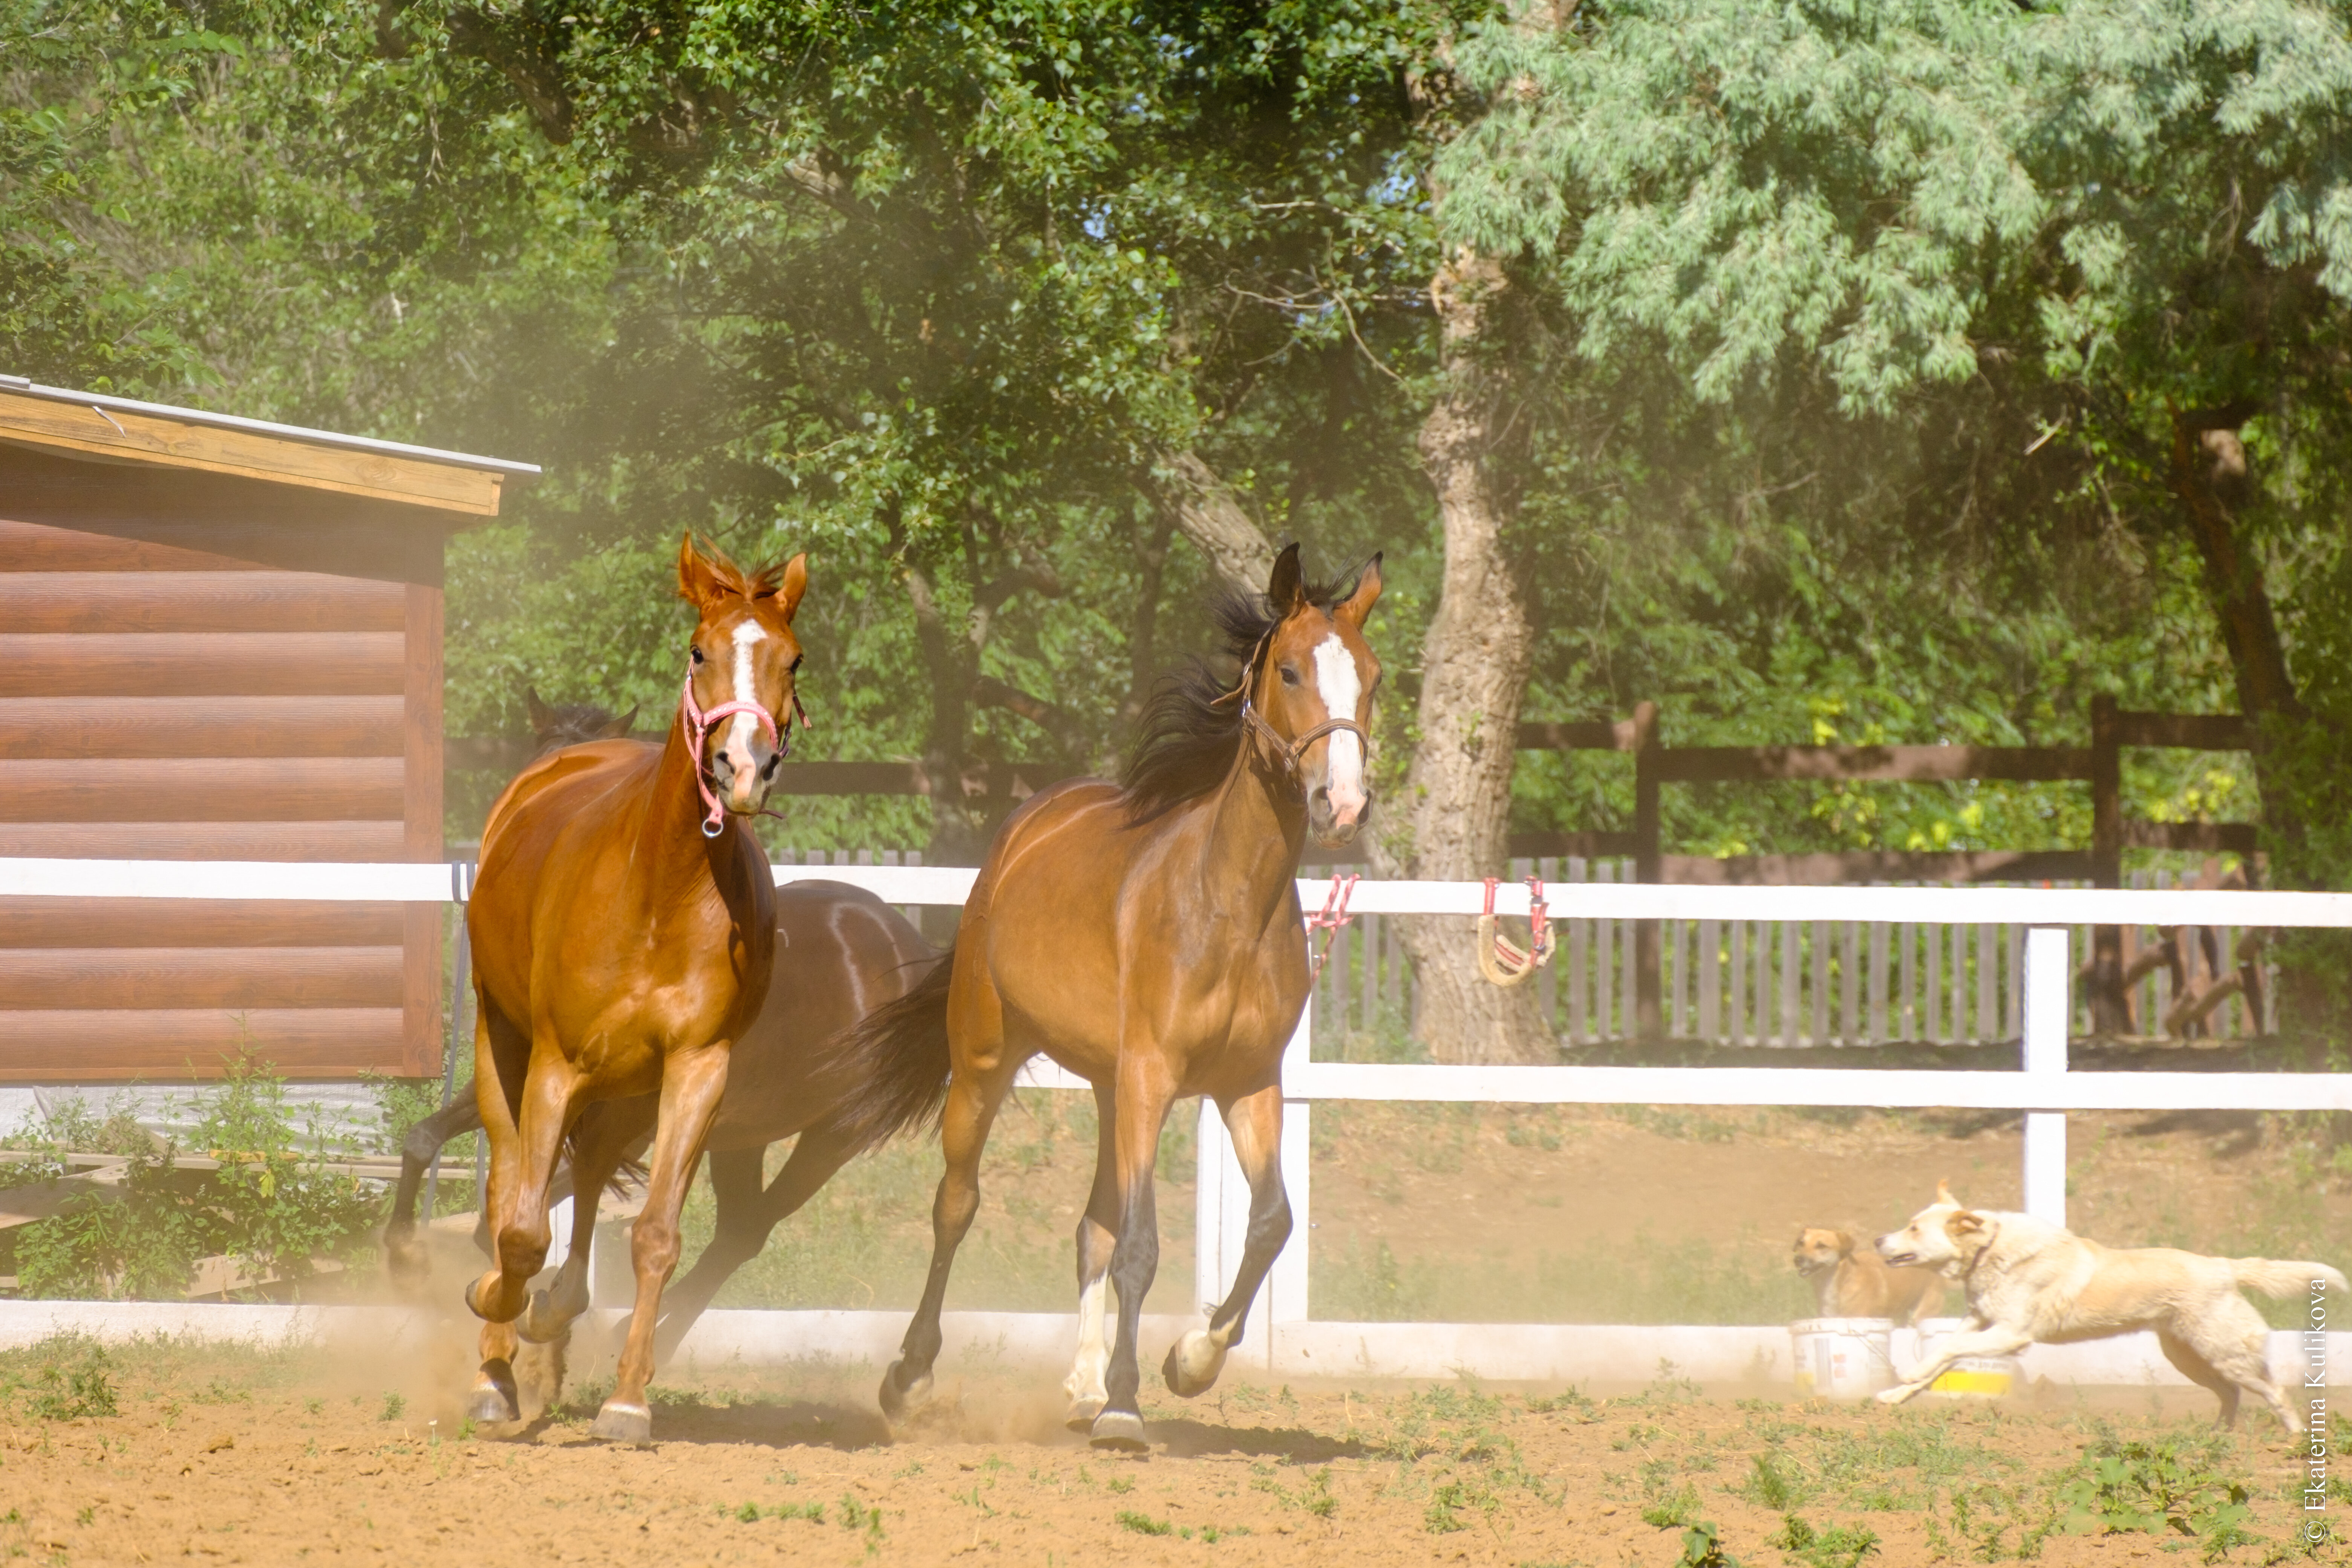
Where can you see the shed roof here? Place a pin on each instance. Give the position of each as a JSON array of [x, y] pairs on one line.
[[123, 429]]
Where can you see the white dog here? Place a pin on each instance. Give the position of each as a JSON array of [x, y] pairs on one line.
[[2030, 1282]]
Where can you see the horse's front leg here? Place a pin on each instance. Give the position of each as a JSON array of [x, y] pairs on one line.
[[1256, 1122], [599, 1143], [519, 1182], [1144, 1094], [692, 1083]]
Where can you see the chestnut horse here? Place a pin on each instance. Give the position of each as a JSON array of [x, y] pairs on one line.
[[1148, 937], [623, 927], [841, 952]]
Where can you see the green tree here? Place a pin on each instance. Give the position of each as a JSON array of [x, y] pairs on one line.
[[2091, 261]]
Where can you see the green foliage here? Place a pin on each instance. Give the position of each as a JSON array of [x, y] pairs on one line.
[[1143, 1523], [268, 1205], [2157, 1487], [1839, 1546], [1703, 1548], [60, 1379]]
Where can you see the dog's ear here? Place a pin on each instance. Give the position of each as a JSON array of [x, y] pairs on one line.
[[1944, 1192], [1965, 1223]]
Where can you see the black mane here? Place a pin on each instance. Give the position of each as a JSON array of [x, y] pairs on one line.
[[1186, 742]]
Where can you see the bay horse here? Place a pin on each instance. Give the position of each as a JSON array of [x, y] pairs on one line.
[[624, 928], [1146, 936]]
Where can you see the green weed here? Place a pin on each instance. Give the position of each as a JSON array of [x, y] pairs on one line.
[[2155, 1488], [1840, 1546], [1143, 1523], [1703, 1548], [393, 1405]]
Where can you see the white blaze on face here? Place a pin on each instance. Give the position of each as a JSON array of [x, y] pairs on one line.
[[1341, 687], [742, 728]]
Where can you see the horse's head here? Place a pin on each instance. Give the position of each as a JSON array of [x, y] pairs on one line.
[[739, 684], [1314, 689]]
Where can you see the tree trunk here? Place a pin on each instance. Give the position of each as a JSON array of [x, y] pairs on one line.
[[1453, 821], [2298, 768]]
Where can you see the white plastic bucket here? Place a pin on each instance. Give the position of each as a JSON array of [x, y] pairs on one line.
[[1841, 1358], [1971, 1376]]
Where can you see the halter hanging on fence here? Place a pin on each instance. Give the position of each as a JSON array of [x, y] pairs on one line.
[[1504, 962], [1332, 921]]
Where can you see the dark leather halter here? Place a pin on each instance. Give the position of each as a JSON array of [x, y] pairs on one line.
[[1290, 751]]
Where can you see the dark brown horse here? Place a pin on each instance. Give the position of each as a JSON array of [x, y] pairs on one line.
[[1148, 937], [623, 930]]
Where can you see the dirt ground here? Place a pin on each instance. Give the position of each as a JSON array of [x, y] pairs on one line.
[[245, 1457]]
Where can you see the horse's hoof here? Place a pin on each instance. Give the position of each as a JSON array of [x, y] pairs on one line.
[[539, 1323], [619, 1423], [405, 1258], [1192, 1364], [1118, 1430], [899, 1401], [493, 1401], [1082, 1415]]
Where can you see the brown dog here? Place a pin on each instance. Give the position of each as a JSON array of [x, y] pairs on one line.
[[1852, 1282]]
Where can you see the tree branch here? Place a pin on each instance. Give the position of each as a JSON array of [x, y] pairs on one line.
[[1207, 513], [533, 74]]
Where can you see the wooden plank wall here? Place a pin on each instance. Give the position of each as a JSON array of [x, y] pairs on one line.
[[158, 702]]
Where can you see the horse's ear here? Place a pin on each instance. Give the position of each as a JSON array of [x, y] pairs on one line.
[[1352, 610], [793, 583], [697, 584], [1285, 586], [542, 716], [618, 729]]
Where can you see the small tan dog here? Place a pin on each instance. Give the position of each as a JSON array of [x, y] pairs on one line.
[[2030, 1282], [1851, 1282]]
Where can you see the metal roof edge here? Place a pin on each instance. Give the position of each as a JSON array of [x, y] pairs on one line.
[[266, 428]]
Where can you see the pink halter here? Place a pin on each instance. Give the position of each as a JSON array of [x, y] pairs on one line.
[[698, 725]]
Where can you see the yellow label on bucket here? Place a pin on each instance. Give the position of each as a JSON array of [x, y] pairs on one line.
[[1972, 1385]]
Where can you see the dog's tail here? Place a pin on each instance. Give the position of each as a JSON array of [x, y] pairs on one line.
[[2281, 1278]]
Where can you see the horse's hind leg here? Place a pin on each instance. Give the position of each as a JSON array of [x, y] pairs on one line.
[[692, 1083], [1255, 1121], [405, 1255], [971, 1110], [1143, 1097], [747, 1212], [1098, 1236]]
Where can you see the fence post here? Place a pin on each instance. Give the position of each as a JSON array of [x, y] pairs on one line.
[[2109, 1010], [1286, 1284], [2048, 973], [1648, 1021]]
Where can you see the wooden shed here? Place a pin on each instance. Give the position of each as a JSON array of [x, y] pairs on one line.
[[220, 639]]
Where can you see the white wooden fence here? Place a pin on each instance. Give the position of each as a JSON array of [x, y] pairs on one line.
[[2045, 1088]]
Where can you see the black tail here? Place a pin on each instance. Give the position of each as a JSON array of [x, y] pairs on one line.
[[888, 1071]]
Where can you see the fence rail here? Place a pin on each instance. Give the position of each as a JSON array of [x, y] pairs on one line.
[[1798, 983], [2044, 1087]]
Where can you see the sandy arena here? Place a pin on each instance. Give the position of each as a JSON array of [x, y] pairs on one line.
[[241, 1455]]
